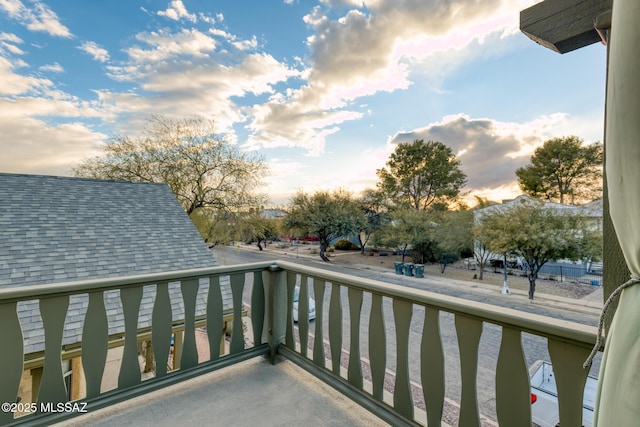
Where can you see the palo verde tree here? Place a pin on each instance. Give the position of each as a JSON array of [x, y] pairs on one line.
[[533, 232], [421, 174], [253, 227], [372, 206], [326, 215], [202, 169], [563, 170], [482, 254]]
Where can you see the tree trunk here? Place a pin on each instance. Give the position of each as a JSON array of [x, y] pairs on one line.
[[481, 271], [323, 249], [532, 285]]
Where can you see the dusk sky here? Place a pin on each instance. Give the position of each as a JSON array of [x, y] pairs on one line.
[[322, 89]]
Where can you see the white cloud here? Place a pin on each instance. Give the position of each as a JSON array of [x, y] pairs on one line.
[[13, 84], [54, 68], [37, 17], [11, 48], [12, 38], [58, 147], [41, 147], [165, 45], [177, 11], [98, 53]]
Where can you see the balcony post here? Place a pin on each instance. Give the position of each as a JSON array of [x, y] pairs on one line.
[[276, 313]]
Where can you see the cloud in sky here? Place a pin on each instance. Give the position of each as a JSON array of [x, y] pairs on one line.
[[176, 11], [366, 52], [37, 16], [308, 98], [96, 52]]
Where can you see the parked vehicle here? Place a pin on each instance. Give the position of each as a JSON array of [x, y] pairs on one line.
[[544, 397], [312, 305]]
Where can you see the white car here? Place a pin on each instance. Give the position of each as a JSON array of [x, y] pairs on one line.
[[312, 305], [544, 397]]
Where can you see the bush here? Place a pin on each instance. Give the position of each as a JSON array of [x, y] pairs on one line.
[[346, 245]]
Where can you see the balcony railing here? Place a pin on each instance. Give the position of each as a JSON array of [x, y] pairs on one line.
[[340, 319]]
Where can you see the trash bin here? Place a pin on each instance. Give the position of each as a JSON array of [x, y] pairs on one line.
[[398, 266], [595, 283], [419, 270], [408, 269]]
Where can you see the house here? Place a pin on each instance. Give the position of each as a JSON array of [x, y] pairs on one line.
[[591, 213], [61, 229]]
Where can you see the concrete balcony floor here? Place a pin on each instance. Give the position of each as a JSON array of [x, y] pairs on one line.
[[253, 392]]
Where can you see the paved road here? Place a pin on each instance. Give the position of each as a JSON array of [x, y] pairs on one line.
[[535, 347]]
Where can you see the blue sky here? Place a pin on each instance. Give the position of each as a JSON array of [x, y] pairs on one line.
[[322, 89]]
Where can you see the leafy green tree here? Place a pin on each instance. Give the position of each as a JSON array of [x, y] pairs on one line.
[[254, 227], [590, 247], [563, 170], [533, 232], [203, 170], [326, 215], [421, 174], [455, 231], [410, 228], [216, 227]]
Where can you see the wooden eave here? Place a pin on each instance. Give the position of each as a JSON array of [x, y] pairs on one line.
[[565, 25]]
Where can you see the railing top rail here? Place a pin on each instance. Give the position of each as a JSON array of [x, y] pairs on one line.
[[536, 324], [19, 293], [528, 322]]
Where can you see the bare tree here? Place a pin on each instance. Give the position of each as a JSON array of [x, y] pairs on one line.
[[202, 169]]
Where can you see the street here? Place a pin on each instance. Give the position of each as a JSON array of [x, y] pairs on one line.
[[535, 348]]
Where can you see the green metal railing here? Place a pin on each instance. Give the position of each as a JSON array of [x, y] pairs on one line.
[[272, 324]]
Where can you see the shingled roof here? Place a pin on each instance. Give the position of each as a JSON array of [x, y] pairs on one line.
[[60, 229]]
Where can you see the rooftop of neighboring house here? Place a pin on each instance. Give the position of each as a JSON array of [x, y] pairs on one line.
[[60, 229], [592, 209]]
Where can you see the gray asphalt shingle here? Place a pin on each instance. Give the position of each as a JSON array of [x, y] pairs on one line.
[[60, 229]]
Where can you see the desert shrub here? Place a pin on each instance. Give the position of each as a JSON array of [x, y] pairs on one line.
[[346, 245]]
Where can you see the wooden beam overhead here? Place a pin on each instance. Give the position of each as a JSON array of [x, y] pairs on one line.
[[564, 25]]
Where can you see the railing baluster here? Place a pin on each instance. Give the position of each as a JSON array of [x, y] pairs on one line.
[[189, 289], [469, 331], [257, 308], [11, 357], [318, 343], [432, 366], [513, 405], [237, 334], [303, 314], [570, 377], [291, 284], [161, 328], [335, 328], [95, 337], [215, 322], [355, 309], [130, 368], [402, 399], [53, 311], [377, 346]]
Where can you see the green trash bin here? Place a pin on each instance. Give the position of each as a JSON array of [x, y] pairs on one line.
[[398, 266], [419, 270], [408, 269]]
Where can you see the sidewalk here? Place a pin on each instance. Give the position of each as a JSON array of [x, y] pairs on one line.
[[590, 304]]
